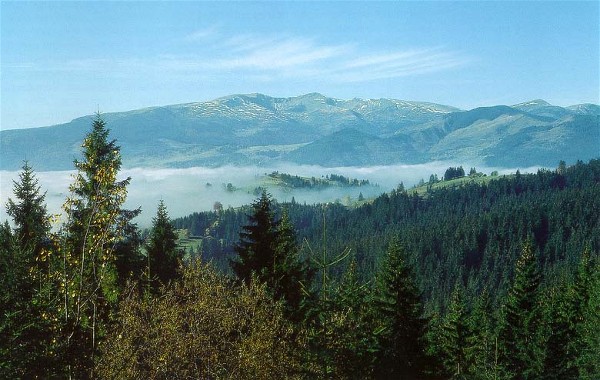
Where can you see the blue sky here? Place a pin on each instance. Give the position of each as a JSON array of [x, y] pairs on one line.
[[61, 60]]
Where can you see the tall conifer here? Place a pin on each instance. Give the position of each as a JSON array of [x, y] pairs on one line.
[[163, 254], [29, 213], [88, 274], [24, 269], [519, 333], [269, 251], [397, 302], [454, 335]]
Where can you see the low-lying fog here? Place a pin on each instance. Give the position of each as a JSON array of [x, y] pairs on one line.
[[197, 189]]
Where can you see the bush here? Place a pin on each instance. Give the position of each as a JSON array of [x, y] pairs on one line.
[[202, 327]]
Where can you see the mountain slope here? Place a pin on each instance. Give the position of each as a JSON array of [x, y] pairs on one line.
[[315, 129]]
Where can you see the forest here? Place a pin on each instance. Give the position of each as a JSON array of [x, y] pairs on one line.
[[497, 279], [297, 182]]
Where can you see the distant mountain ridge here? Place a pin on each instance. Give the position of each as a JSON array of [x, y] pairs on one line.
[[315, 129]]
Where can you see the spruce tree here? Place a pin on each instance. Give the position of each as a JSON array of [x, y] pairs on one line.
[[482, 342], [291, 277], [559, 352], [585, 318], [29, 213], [10, 325], [454, 335], [519, 332], [342, 332], [24, 271], [257, 246], [268, 251], [163, 254], [88, 274], [401, 333]]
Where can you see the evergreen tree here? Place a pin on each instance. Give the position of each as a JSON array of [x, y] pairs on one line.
[[88, 274], [163, 255], [454, 335], [257, 246], [268, 250], [397, 302], [9, 317], [519, 333], [24, 328], [343, 330], [291, 277], [559, 353], [482, 343], [29, 214], [586, 318], [130, 261]]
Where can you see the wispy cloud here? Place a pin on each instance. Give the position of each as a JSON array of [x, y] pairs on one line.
[[270, 58], [273, 54], [202, 34], [399, 64], [290, 56]]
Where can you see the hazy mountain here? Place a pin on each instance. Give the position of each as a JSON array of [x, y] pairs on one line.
[[315, 129]]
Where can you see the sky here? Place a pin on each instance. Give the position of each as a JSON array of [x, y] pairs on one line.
[[62, 60]]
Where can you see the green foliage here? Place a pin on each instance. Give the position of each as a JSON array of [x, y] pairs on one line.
[[162, 253], [520, 353], [268, 251], [29, 213], [530, 306], [25, 338], [256, 249], [454, 335], [291, 276], [452, 173], [559, 355], [482, 342], [342, 331], [202, 327], [401, 325], [83, 271], [586, 318]]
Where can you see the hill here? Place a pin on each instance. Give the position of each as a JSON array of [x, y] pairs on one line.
[[315, 129]]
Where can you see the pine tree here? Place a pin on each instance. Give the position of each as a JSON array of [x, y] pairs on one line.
[[163, 254], [88, 274], [397, 302], [519, 333]]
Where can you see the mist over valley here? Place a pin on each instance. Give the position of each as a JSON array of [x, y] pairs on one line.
[[195, 154], [197, 189]]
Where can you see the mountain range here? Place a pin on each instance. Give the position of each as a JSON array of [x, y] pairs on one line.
[[314, 129]]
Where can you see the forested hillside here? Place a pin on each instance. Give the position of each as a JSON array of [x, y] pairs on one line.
[[473, 232], [495, 279], [463, 241]]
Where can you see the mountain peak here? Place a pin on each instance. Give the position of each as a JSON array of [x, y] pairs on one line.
[[533, 103]]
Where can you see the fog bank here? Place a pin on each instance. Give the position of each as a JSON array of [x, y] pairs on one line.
[[197, 189]]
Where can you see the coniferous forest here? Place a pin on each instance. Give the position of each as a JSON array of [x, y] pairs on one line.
[[481, 280]]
